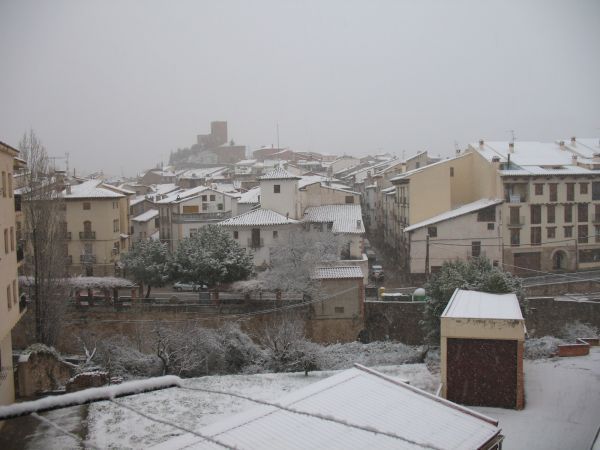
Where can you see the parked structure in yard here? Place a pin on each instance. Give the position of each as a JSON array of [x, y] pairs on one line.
[[355, 409], [12, 307], [482, 337], [96, 227]]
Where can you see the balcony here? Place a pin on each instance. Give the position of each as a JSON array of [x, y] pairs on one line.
[[201, 217], [256, 243], [516, 221], [87, 235], [17, 203], [87, 259]]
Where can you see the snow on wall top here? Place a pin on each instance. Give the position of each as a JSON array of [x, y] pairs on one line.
[[345, 218], [146, 216], [465, 209], [332, 273], [90, 189], [258, 217], [278, 173], [482, 305], [356, 409]]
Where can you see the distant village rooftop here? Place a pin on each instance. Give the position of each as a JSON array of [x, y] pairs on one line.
[[258, 217], [346, 219], [89, 189], [278, 173]]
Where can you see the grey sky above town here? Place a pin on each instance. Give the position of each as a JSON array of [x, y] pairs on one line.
[[118, 84]]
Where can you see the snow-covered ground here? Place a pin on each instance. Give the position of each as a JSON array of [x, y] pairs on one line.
[[111, 426], [562, 409]]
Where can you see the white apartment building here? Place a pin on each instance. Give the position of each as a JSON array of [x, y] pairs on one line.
[[11, 306]]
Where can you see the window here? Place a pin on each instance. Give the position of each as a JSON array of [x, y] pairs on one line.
[[204, 198], [597, 233], [190, 209], [487, 214], [4, 184], [116, 225], [550, 213], [8, 297], [568, 232], [6, 240], [570, 192], [156, 223], [582, 234], [10, 187], [276, 188], [236, 234], [329, 226], [212, 198], [551, 232], [536, 235], [451, 171], [553, 192], [204, 206], [490, 226], [349, 199], [14, 289], [588, 256], [596, 213], [275, 234], [220, 206], [539, 189], [339, 309], [476, 248], [432, 231], [596, 190], [582, 212], [116, 205], [583, 188], [515, 237], [536, 214], [318, 226], [568, 213], [12, 239], [87, 205], [514, 218]]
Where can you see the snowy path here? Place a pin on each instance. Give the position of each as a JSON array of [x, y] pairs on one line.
[[562, 409]]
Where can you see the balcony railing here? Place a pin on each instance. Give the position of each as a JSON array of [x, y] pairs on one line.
[[256, 243], [87, 259], [201, 217], [87, 235], [516, 221]]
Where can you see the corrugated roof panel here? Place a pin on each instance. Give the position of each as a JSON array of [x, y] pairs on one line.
[[483, 305], [331, 273], [258, 217]]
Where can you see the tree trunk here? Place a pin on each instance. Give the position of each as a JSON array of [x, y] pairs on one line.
[[148, 291]]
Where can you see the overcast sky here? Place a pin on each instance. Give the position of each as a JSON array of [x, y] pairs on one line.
[[118, 84]]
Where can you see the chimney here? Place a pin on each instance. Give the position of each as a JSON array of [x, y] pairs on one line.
[[495, 159], [68, 189], [511, 147], [574, 159], [458, 151], [481, 142], [573, 140], [358, 223], [562, 145]]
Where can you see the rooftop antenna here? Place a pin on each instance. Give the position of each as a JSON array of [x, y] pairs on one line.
[[277, 126], [513, 137]]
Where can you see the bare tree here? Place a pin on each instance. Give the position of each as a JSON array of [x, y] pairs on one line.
[[45, 260]]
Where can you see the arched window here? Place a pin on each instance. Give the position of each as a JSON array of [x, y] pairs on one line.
[[87, 226]]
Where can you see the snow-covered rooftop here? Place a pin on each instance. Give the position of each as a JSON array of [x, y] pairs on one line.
[[586, 147], [146, 216], [547, 170], [482, 305], [90, 189], [250, 196], [356, 409], [258, 217], [178, 195], [409, 173], [345, 218], [306, 180], [331, 273], [278, 173], [465, 209], [163, 188], [526, 153], [202, 173], [136, 200]]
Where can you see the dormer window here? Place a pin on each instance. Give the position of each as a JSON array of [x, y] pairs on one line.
[[276, 188]]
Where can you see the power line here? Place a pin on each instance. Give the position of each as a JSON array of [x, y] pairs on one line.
[[84, 442], [314, 415], [171, 424]]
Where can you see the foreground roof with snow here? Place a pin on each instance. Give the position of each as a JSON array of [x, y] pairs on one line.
[[356, 409], [345, 218], [460, 211], [258, 217], [90, 189], [483, 305]]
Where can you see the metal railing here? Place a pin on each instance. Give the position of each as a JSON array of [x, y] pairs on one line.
[[86, 258], [201, 216], [516, 221], [87, 235]]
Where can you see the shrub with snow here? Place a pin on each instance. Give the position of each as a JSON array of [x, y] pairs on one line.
[[574, 330], [544, 347]]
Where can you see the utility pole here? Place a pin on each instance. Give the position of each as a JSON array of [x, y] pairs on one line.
[[427, 256]]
